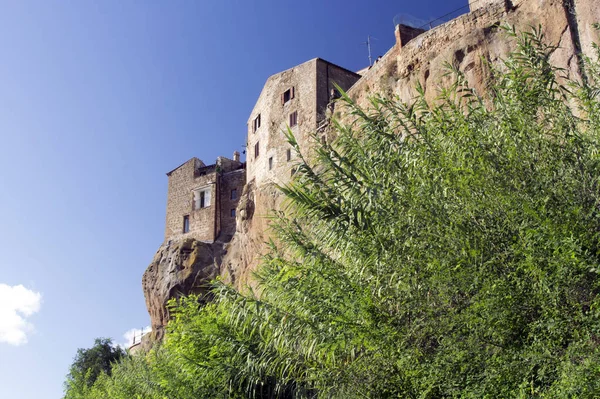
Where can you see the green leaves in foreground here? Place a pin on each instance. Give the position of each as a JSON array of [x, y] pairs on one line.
[[447, 250]]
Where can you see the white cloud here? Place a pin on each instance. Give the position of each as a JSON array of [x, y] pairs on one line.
[[134, 333], [17, 303]]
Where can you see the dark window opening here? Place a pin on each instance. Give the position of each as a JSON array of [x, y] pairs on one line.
[[323, 139], [232, 213], [287, 95], [293, 172], [256, 147], [234, 194], [186, 224], [270, 163], [256, 123], [294, 118], [202, 199], [288, 154]]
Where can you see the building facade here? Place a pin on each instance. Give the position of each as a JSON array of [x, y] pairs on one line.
[[202, 199], [296, 98]]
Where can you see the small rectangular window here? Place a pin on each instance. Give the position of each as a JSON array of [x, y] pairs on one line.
[[323, 139], [287, 95], [186, 224], [232, 213], [270, 163], [234, 194], [294, 118], [256, 148], [256, 123], [288, 154]]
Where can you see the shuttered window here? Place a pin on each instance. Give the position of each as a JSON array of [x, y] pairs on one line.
[[288, 95], [202, 198], [293, 118]]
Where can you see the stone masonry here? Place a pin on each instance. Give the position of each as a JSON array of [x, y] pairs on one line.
[[304, 91], [202, 200]]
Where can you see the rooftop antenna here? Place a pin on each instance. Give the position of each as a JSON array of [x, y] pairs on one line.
[[368, 43]]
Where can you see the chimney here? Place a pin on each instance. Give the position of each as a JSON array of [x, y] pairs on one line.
[[236, 156], [405, 33]]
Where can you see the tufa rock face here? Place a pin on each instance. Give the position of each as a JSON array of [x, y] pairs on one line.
[[244, 252], [471, 42], [179, 268]]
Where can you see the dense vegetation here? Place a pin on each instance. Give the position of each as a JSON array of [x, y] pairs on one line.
[[447, 250], [91, 363]]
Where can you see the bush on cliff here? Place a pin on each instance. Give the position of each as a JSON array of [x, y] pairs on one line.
[[446, 250]]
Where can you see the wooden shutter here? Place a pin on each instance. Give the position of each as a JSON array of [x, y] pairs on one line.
[[292, 93], [207, 197]]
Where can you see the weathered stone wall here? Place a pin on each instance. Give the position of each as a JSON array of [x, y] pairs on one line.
[[230, 181], [312, 82], [473, 41], [275, 118], [180, 202], [477, 4], [328, 75], [205, 224]]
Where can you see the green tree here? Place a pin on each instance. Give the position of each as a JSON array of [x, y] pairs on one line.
[[89, 365]]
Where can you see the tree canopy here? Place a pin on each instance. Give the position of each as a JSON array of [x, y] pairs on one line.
[[89, 364]]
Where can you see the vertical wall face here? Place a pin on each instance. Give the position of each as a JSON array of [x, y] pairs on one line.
[[405, 34], [312, 83], [180, 202], [329, 75], [477, 4], [275, 119], [231, 187], [203, 195]]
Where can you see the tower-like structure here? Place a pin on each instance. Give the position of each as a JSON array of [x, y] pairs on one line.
[[296, 98], [202, 199]]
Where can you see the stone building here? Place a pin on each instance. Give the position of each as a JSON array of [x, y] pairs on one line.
[[296, 98], [202, 199]]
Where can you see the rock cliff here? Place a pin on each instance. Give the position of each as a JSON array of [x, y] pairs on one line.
[[179, 268], [471, 42]]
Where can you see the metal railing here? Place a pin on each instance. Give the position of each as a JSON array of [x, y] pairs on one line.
[[414, 22]]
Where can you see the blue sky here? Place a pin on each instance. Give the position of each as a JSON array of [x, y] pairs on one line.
[[98, 99]]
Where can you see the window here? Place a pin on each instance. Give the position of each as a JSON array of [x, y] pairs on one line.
[[256, 123], [202, 198], [256, 147], [323, 139], [270, 163], [294, 118], [186, 224], [232, 213], [288, 154], [287, 95], [293, 172], [234, 194]]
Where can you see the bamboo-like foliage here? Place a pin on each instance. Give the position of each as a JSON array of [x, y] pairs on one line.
[[433, 250]]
